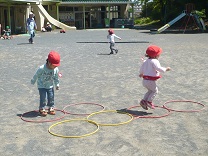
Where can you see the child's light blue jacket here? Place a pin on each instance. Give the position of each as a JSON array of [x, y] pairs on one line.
[[45, 77]]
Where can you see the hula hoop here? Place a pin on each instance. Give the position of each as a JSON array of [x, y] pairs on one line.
[[40, 121], [184, 110], [73, 136], [160, 116], [121, 123], [81, 104]]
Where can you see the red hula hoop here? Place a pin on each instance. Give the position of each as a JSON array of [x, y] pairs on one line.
[[137, 116], [41, 121], [183, 110], [81, 104]]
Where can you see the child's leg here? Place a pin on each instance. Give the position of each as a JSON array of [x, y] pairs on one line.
[[31, 38], [50, 95], [42, 93], [111, 47], [146, 85], [152, 92], [114, 47]]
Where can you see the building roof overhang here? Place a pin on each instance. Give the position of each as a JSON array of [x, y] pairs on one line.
[[72, 2], [97, 2]]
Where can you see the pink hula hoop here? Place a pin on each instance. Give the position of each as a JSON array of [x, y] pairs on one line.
[[160, 116], [82, 104], [40, 121], [172, 101]]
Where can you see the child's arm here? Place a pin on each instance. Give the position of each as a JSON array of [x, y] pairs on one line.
[[117, 37], [56, 79], [35, 77], [35, 25], [141, 75], [159, 68], [141, 71], [168, 69]]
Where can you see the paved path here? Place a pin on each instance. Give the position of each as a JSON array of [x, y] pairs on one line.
[[90, 75]]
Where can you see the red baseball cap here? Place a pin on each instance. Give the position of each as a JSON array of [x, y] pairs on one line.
[[54, 58], [111, 31], [153, 51]]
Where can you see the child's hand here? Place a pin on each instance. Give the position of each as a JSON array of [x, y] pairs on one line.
[[140, 75], [57, 88], [168, 69], [32, 82]]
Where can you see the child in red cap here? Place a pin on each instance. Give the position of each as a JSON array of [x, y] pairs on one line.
[[111, 37], [150, 72], [46, 77]]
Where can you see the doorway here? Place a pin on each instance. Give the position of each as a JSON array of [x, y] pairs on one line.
[[79, 20]]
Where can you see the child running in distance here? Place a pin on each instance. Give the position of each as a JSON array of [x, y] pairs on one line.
[[111, 36], [150, 72], [46, 77]]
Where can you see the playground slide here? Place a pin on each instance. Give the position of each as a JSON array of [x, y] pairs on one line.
[[171, 22], [54, 21], [200, 22]]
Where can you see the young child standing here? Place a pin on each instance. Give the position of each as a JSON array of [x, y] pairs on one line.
[[150, 72], [31, 26], [111, 36], [46, 77]]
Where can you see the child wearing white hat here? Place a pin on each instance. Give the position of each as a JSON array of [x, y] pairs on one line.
[[31, 26]]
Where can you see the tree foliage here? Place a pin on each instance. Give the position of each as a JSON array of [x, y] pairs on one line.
[[165, 10]]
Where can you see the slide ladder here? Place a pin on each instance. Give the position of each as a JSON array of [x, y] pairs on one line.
[[54, 21], [171, 22]]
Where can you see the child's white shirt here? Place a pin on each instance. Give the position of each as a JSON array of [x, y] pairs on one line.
[[112, 38], [152, 67]]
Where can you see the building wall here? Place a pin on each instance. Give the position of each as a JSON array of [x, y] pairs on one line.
[[17, 18], [90, 16]]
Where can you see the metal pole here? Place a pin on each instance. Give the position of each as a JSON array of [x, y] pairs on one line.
[[84, 15], [9, 16], [57, 12]]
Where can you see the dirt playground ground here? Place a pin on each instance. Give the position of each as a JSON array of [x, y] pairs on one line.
[[92, 81]]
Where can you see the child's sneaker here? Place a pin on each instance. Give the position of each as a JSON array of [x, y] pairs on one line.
[[143, 103], [51, 111], [150, 105], [42, 112]]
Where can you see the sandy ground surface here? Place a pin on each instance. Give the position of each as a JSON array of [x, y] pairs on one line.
[[98, 80]]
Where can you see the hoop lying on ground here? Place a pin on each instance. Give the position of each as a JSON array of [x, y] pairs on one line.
[[183, 110], [40, 121], [81, 104], [159, 116], [105, 124], [73, 136]]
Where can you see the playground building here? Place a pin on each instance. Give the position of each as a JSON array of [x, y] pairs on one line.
[[66, 14]]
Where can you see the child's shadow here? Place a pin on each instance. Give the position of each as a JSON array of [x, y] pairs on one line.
[[23, 43], [31, 114], [133, 112], [103, 54]]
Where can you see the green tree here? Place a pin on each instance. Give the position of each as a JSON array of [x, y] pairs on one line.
[[166, 10]]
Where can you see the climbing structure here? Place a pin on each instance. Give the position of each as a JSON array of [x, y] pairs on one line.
[[190, 17]]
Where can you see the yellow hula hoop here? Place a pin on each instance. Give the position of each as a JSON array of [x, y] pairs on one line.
[[73, 136], [116, 124]]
